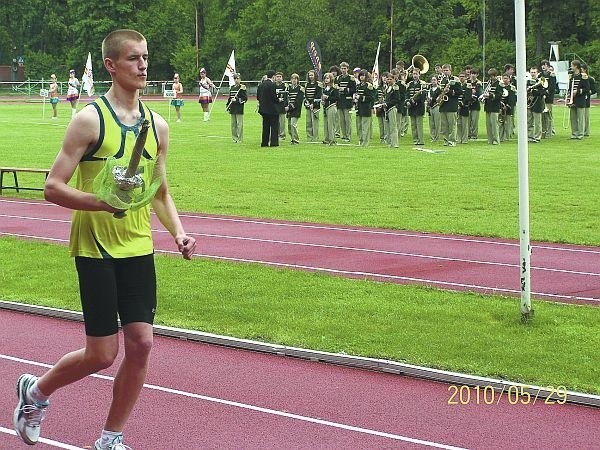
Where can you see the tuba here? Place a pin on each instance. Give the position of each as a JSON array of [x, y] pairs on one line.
[[418, 62]]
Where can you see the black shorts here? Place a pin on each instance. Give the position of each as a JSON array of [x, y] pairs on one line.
[[123, 286]]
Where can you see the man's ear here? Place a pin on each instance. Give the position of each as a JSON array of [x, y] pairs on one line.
[[109, 65]]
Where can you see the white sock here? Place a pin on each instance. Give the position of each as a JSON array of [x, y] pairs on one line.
[[36, 395], [73, 112], [110, 437]]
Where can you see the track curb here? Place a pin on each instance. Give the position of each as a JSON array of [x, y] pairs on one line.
[[379, 365]]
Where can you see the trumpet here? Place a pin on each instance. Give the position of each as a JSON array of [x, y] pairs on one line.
[[486, 91], [541, 81]]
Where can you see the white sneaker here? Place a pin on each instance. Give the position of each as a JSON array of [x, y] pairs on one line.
[[28, 415], [116, 444]]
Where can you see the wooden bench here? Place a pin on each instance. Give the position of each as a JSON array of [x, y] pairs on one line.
[[14, 171]]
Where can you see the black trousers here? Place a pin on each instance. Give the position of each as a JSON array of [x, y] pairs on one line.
[[270, 130]]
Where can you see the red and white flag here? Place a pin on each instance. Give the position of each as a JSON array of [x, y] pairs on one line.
[[230, 69], [88, 77], [375, 72]]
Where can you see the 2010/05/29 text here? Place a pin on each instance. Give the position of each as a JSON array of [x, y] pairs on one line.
[[515, 395]]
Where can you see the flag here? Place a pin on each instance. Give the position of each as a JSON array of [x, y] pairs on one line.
[[375, 72], [314, 52], [230, 69], [88, 77]]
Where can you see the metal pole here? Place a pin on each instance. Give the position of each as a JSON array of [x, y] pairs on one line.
[[483, 72], [523, 148], [391, 35], [197, 46]]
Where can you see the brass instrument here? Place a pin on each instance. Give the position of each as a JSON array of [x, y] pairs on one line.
[[571, 92], [443, 97], [413, 98], [418, 62], [531, 99], [486, 91]]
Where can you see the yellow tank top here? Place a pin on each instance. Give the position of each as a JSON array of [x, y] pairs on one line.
[[97, 234]]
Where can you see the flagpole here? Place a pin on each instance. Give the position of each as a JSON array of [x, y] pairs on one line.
[[231, 61], [391, 35], [216, 95]]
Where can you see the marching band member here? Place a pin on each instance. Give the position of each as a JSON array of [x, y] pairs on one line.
[[491, 106], [336, 72], [401, 114], [416, 93], [462, 119], [535, 105], [296, 93], [391, 103], [365, 98], [439, 73], [547, 119], [474, 105], [346, 87], [282, 106], [579, 86], [451, 90], [238, 96], [434, 109], [507, 107], [312, 103], [330, 97], [592, 91], [380, 111]]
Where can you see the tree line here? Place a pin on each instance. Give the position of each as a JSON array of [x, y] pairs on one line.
[[184, 35]]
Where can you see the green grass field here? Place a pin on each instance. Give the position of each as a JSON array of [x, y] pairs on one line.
[[471, 189]]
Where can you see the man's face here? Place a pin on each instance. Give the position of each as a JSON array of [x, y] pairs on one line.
[[344, 70], [506, 80], [278, 78], [434, 81], [130, 69], [462, 77], [447, 71], [533, 73]]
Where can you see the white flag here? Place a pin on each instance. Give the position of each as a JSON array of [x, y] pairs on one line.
[[88, 76], [230, 69], [375, 72]]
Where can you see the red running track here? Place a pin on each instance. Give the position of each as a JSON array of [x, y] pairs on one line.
[[203, 396], [564, 273]]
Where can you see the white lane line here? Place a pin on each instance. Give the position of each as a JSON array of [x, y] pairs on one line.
[[43, 440], [352, 230], [345, 248], [447, 284], [391, 277], [269, 411]]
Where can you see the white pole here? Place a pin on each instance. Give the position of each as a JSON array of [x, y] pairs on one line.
[[212, 105], [525, 249], [483, 71]]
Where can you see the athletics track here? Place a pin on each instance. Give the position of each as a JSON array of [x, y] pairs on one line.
[[564, 273], [204, 396], [200, 396]]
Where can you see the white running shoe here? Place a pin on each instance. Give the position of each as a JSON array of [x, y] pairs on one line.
[[116, 444], [28, 415]]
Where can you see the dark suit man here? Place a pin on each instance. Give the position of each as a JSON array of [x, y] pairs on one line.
[[267, 108]]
